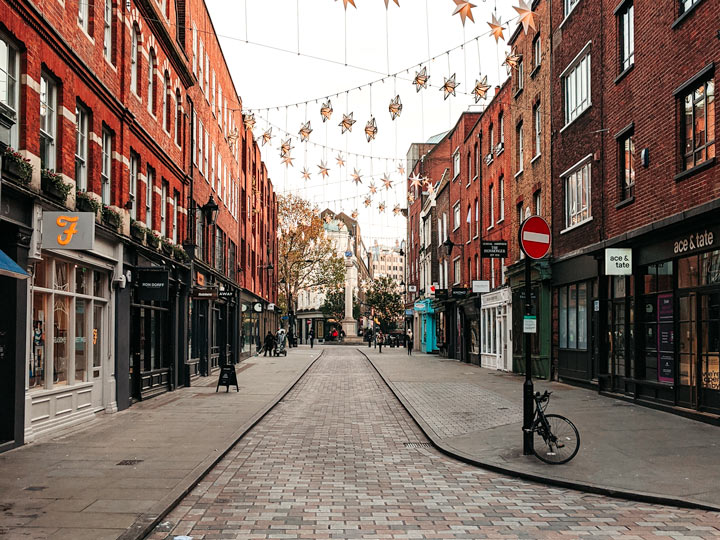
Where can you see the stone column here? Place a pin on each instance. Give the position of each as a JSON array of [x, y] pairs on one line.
[[349, 325]]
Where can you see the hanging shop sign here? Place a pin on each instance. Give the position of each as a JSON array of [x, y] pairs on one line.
[[494, 250], [481, 286], [441, 294], [68, 230], [412, 288], [419, 306], [200, 278], [271, 307], [665, 338], [153, 284], [244, 308], [460, 292], [618, 261], [205, 293], [257, 307], [226, 294]]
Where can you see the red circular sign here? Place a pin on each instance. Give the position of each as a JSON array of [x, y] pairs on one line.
[[535, 237]]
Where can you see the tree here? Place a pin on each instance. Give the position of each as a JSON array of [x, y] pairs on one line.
[[384, 298], [306, 256], [334, 305]]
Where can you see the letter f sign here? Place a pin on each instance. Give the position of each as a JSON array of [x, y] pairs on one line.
[[70, 224]]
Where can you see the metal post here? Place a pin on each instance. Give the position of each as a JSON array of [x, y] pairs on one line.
[[528, 401]]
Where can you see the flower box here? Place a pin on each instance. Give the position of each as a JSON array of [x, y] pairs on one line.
[[137, 231], [180, 255], [152, 240], [111, 218], [85, 203], [167, 248], [15, 167], [53, 186]]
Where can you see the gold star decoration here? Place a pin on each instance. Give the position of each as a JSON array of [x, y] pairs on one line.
[[397, 2], [346, 2], [395, 107], [285, 147], [496, 28], [305, 131], [386, 181], [249, 120], [464, 9], [326, 111], [328, 218], [421, 79], [306, 174], [415, 181], [324, 169], [449, 86], [340, 160], [481, 89], [411, 198], [373, 189], [288, 160], [527, 16], [396, 210], [511, 60], [371, 129], [367, 201], [354, 214], [357, 177], [401, 170], [429, 187], [347, 122], [267, 136], [381, 207]]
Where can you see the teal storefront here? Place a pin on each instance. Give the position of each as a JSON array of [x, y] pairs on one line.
[[428, 337]]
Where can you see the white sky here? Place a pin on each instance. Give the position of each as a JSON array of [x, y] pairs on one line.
[[268, 78]]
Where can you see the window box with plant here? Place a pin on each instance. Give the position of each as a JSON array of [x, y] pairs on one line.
[[167, 246], [52, 184], [16, 167], [137, 230], [85, 203], [153, 239], [179, 254], [110, 217]]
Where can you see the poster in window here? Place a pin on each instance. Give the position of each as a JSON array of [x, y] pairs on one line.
[[666, 338]]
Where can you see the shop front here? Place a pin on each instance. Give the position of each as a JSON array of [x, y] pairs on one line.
[[663, 320], [495, 343], [427, 330], [471, 337]]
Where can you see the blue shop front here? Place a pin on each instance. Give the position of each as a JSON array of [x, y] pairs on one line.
[[428, 338]]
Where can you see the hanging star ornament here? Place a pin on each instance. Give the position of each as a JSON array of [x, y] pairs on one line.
[[347, 122], [511, 60], [429, 187], [415, 181], [357, 177], [324, 169], [267, 136], [340, 160], [306, 174], [449, 86], [396, 210], [288, 160], [464, 9], [411, 198], [496, 28], [328, 218], [249, 120], [421, 79], [367, 201], [397, 3], [371, 129], [381, 207], [395, 107], [354, 214], [527, 16], [351, 2], [401, 170], [305, 131], [386, 181], [481, 89], [285, 147], [373, 188], [326, 111]]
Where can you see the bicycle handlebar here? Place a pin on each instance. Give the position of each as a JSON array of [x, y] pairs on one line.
[[542, 397]]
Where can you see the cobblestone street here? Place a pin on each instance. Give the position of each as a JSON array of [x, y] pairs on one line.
[[340, 458]]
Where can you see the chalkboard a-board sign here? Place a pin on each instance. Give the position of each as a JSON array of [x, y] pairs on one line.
[[227, 378]]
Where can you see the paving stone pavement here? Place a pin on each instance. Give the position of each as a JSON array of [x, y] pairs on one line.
[[332, 461], [456, 408]]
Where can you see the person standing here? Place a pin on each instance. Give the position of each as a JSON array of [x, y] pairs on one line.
[[269, 343], [368, 336], [409, 341], [380, 339], [311, 336]]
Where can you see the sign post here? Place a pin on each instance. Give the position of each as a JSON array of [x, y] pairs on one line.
[[534, 239]]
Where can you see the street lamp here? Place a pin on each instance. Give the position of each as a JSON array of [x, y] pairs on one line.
[[210, 209], [448, 245]]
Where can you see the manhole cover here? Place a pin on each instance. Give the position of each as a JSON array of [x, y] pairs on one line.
[[35, 488], [417, 445], [130, 462]]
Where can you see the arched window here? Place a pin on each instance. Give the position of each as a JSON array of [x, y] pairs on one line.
[[166, 102], [135, 60], [150, 83], [178, 118]]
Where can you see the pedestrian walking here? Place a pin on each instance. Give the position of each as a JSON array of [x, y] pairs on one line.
[[380, 339], [311, 336], [369, 336], [409, 338], [269, 344]]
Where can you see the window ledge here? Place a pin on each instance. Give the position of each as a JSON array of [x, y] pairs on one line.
[[624, 73], [518, 92], [625, 202], [588, 220], [519, 173], [534, 160], [467, 185], [491, 227], [685, 15], [499, 221], [571, 122], [535, 71], [475, 178], [696, 169], [475, 237]]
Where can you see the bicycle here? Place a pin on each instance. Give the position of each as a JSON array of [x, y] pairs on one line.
[[556, 440]]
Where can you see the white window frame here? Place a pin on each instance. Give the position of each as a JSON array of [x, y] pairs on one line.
[[134, 51], [520, 149], [577, 85], [48, 120], [9, 68], [520, 75], [579, 176], [84, 15], [538, 130], [165, 115], [626, 35], [107, 29], [150, 180], [151, 82], [501, 196], [537, 52], [457, 271], [212, 94], [132, 189], [570, 5], [195, 48], [491, 197], [201, 68], [501, 128], [456, 163], [81, 146], [537, 202], [456, 216], [106, 166], [163, 208], [477, 219]]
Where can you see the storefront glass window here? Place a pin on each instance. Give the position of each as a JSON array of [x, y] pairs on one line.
[[61, 350], [665, 276], [81, 350], [582, 316], [688, 272], [572, 317], [99, 285], [42, 271], [710, 268], [82, 278], [37, 364], [61, 276], [562, 317], [97, 336]]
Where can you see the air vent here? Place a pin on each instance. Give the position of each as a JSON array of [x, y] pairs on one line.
[[417, 445], [129, 462]]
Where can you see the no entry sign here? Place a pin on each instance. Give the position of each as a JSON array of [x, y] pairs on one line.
[[535, 237]]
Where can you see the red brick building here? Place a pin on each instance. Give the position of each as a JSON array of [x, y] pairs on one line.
[[103, 100]]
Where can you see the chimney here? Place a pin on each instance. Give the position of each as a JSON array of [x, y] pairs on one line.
[[497, 90]]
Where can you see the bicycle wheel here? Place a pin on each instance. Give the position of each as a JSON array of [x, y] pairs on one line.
[[559, 445]]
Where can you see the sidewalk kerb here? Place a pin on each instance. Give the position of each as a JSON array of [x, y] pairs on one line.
[[145, 523], [588, 487]]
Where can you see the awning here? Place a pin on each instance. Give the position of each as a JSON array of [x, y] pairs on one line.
[[10, 268]]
